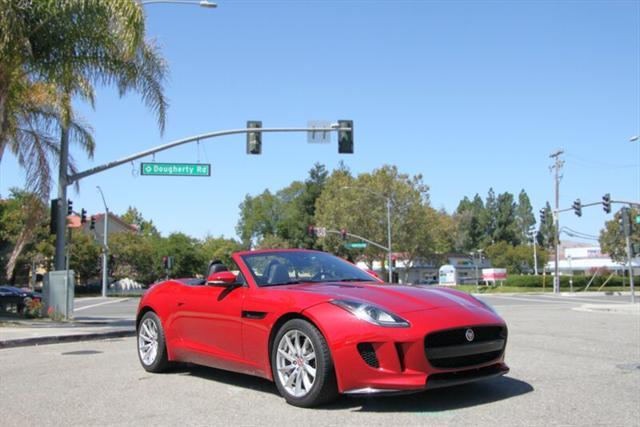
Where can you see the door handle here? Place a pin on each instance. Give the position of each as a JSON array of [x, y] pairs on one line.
[[180, 303]]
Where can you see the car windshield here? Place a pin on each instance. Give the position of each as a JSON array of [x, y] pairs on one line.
[[289, 267]]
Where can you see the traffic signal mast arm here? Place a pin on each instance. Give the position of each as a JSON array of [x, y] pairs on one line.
[[355, 236], [622, 202], [78, 176]]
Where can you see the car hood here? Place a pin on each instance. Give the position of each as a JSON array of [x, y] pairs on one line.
[[397, 298]]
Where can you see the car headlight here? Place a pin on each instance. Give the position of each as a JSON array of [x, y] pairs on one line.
[[371, 313]]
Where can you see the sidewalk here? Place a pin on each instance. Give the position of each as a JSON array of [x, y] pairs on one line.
[[26, 332]]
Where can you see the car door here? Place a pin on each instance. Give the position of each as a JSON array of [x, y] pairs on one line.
[[208, 322]]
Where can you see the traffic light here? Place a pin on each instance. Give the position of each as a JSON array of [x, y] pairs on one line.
[[83, 216], [92, 224], [543, 216], [311, 231], [254, 139], [69, 207], [606, 203], [345, 137], [577, 207], [343, 233], [54, 216], [625, 222]]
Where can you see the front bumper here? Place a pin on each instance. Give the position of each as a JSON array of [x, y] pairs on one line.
[[394, 359]]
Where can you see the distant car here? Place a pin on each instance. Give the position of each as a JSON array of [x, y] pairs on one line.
[[318, 326], [19, 296]]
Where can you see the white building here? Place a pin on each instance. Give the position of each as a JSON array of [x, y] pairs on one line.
[[580, 258]]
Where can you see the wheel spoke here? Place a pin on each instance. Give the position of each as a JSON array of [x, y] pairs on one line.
[[311, 370], [286, 368], [309, 357], [298, 382], [292, 377], [286, 355], [307, 383]]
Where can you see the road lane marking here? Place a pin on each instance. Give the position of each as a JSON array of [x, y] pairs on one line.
[[578, 298], [99, 304], [540, 301]]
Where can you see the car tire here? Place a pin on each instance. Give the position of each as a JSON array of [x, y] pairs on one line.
[[151, 344], [323, 387]]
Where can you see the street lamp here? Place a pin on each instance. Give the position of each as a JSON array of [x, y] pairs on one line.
[[203, 3], [636, 138], [105, 248], [388, 201]]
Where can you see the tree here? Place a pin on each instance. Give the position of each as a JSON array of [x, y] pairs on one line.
[[468, 218], [84, 256], [133, 256], [134, 217], [612, 238], [41, 72], [516, 259], [361, 209], [219, 248], [488, 219], [23, 234], [506, 228], [188, 259], [525, 218], [285, 214]]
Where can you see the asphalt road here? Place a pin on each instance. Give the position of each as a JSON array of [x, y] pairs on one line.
[[568, 367]]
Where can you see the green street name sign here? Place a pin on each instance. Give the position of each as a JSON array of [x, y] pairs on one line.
[[175, 169], [355, 245]]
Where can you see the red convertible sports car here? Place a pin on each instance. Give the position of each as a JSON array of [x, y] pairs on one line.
[[318, 326]]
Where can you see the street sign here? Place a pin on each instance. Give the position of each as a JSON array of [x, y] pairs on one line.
[[638, 219], [175, 169], [355, 245], [319, 137]]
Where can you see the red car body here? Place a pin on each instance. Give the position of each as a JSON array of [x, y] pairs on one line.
[[234, 330]]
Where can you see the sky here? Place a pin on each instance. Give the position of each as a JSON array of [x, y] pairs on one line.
[[470, 94]]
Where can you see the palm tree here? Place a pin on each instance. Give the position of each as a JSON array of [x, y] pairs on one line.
[[55, 51]]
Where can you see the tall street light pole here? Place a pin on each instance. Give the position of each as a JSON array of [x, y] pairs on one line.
[[105, 247], [388, 202], [636, 139], [63, 169], [557, 166]]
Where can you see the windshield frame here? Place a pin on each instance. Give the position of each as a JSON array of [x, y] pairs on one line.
[[290, 255]]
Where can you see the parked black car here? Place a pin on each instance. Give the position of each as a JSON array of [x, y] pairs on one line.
[[10, 295]]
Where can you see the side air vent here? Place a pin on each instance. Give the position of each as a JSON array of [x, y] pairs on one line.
[[368, 354]]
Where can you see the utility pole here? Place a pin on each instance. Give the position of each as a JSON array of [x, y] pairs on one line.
[[557, 166], [532, 234], [626, 224]]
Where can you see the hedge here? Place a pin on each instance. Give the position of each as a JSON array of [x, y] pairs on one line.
[[578, 281]]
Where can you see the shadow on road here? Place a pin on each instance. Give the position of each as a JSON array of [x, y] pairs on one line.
[[445, 399]]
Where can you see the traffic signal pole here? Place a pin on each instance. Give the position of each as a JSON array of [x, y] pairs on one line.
[[64, 179]]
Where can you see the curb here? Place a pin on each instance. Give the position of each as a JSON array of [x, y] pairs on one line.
[[564, 294], [56, 339]]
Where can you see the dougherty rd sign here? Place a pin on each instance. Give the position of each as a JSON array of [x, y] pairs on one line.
[[176, 169]]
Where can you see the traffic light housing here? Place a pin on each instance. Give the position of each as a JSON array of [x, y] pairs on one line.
[[92, 224], [343, 233], [54, 216], [543, 216], [69, 207], [83, 216], [606, 203], [254, 139], [577, 207], [345, 137]]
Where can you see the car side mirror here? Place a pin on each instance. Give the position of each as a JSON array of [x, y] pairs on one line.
[[222, 278]]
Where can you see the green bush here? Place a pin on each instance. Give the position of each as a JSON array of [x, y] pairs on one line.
[[578, 281]]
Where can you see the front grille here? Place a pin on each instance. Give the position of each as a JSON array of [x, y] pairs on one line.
[[451, 349], [368, 354]]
